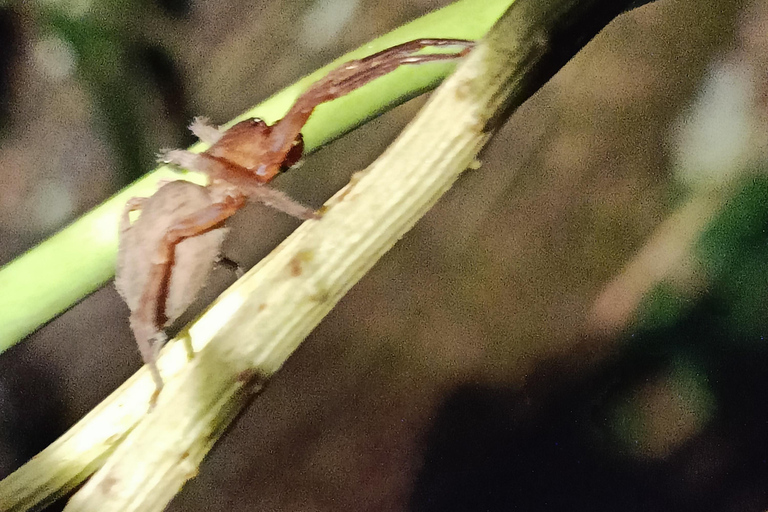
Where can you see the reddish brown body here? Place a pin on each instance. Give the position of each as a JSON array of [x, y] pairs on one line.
[[165, 256]]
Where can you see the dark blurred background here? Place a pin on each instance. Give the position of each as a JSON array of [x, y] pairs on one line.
[[579, 324]]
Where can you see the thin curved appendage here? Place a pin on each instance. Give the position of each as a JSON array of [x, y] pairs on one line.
[[147, 320], [239, 177], [347, 78], [279, 201], [133, 204], [206, 132], [185, 159]]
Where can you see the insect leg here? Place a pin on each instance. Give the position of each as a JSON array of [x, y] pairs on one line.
[[150, 315], [206, 132], [279, 201], [131, 205], [183, 158], [351, 76], [356, 73], [241, 178]]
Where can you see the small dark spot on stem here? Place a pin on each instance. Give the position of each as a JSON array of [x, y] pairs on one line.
[[356, 177], [296, 265], [253, 380], [322, 296], [107, 484], [463, 90]]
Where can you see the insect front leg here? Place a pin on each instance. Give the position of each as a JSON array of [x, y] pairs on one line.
[[185, 159], [239, 177], [357, 73], [206, 132], [349, 77], [280, 202]]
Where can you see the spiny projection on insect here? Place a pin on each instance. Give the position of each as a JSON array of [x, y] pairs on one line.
[[167, 253]]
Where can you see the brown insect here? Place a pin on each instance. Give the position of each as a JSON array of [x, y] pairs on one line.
[[166, 254]]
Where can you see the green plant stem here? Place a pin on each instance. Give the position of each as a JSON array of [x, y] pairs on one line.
[[50, 278], [251, 330], [56, 274]]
